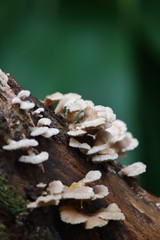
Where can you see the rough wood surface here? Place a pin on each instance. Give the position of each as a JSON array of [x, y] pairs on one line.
[[18, 184]]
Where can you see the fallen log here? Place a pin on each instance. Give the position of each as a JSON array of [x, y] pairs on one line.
[[18, 181]]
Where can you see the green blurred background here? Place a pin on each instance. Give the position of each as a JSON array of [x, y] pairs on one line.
[[107, 51]]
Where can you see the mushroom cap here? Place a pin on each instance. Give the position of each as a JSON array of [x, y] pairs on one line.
[[50, 132], [95, 221], [112, 212], [38, 111], [67, 99], [34, 159], [91, 124], [44, 121], [92, 176], [132, 142], [105, 157], [45, 200], [105, 112], [70, 215], [127, 143], [96, 149], [41, 185], [16, 100], [133, 169], [26, 105], [53, 98], [24, 143], [38, 131], [81, 192], [76, 133], [55, 187], [23, 94], [3, 76], [100, 191], [158, 205], [74, 143], [117, 130], [77, 105]]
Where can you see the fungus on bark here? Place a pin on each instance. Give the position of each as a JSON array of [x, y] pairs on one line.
[[80, 201], [24, 143], [97, 219], [133, 169]]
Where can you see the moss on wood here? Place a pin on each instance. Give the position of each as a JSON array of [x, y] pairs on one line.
[[10, 201]]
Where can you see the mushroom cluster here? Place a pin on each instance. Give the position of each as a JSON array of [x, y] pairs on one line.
[[42, 128], [57, 191], [97, 219], [20, 99], [27, 144], [106, 138]]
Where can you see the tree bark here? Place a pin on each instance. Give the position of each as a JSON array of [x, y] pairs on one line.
[[18, 183]]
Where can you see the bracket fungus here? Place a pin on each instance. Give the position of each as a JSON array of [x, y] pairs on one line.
[[133, 169], [24, 143], [74, 143], [41, 185], [57, 191], [44, 121], [109, 135], [53, 98], [34, 159], [20, 100], [97, 219], [43, 129], [92, 129], [38, 111], [23, 94]]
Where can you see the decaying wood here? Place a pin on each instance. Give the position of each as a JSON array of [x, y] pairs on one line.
[[18, 184]]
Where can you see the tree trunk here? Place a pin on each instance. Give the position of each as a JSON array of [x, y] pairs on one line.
[[18, 183]]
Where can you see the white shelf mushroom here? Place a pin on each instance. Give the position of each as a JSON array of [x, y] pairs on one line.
[[50, 132], [76, 133], [34, 159], [44, 121], [74, 143], [104, 158], [24, 143], [36, 131], [3, 76], [98, 219], [41, 185], [38, 111], [26, 105], [117, 130], [92, 176], [53, 98], [133, 169], [96, 149], [77, 190], [94, 121], [23, 94]]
